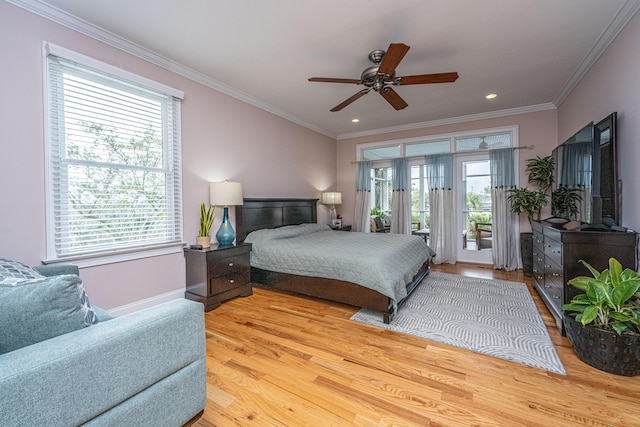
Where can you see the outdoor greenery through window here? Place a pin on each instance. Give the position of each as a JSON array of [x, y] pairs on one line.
[[114, 162]]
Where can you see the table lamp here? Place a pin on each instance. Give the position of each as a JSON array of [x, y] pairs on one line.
[[332, 198], [225, 194]]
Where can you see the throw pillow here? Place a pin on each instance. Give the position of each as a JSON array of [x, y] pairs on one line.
[[35, 310], [13, 272]]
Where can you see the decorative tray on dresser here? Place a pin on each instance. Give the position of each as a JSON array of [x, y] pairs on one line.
[[557, 254]]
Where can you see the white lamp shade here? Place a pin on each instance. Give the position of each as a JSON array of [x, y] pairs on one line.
[[225, 193], [332, 198]]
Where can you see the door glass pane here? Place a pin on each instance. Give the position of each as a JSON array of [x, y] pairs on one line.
[[383, 192], [476, 183], [419, 198]]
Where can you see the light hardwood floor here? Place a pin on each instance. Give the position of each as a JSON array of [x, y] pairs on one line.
[[279, 360]]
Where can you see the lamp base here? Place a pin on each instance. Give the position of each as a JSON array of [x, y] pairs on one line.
[[225, 235], [333, 216]]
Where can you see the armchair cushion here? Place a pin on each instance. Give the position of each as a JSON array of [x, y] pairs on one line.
[[37, 309]]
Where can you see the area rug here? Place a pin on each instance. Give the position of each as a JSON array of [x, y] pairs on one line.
[[493, 317]]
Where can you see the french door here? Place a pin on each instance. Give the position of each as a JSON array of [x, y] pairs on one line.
[[473, 209]]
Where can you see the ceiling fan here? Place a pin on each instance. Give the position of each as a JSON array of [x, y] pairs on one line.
[[382, 74]]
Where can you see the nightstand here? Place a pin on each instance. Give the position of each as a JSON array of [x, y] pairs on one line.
[[218, 274], [342, 228]]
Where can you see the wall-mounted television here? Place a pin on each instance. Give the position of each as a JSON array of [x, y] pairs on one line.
[[587, 162]]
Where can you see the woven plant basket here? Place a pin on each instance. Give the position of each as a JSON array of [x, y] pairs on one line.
[[604, 350]]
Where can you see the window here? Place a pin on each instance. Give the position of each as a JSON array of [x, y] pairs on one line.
[[419, 198], [114, 166], [382, 191]]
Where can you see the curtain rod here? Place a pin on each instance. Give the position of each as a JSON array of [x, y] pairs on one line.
[[524, 147]]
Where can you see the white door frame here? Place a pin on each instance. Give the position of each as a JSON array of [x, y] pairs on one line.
[[466, 255]]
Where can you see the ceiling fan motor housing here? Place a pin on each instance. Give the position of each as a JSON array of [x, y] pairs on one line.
[[371, 78]]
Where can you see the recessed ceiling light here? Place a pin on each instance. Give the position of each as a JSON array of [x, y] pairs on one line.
[[355, 120], [491, 95]]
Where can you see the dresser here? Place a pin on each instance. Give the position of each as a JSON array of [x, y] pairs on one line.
[[217, 274], [556, 256]]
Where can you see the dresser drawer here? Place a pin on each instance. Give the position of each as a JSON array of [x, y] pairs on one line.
[[230, 281], [228, 265], [553, 250]]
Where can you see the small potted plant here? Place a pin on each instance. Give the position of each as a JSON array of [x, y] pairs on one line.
[[603, 322], [206, 221]]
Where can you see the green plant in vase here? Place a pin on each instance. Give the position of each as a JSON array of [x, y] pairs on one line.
[[610, 299], [207, 215], [531, 202], [603, 322]]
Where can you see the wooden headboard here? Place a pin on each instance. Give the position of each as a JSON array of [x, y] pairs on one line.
[[256, 214]]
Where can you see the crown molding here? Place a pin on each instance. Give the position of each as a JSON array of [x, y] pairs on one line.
[[451, 120], [623, 16], [56, 15], [83, 27]]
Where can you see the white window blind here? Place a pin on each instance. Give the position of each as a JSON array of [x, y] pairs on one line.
[[114, 160]]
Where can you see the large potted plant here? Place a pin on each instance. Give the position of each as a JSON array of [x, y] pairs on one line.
[[603, 322], [530, 202], [206, 221]]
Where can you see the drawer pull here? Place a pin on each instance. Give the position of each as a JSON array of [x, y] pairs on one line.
[[535, 254], [556, 251], [547, 266], [230, 264], [232, 281], [556, 274], [556, 297]]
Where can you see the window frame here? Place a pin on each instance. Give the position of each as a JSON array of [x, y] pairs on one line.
[[170, 149], [513, 130]]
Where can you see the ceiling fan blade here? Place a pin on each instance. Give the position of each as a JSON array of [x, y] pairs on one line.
[[332, 80], [427, 78], [393, 98], [350, 100], [392, 58]]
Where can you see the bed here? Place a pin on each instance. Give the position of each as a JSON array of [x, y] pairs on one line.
[[372, 270]]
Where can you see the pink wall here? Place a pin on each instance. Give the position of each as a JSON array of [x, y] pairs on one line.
[[223, 138], [538, 129], [613, 84]]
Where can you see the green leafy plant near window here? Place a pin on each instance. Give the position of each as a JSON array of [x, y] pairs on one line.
[[530, 202], [206, 219], [610, 299]]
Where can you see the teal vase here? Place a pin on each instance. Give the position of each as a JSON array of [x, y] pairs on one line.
[[225, 235]]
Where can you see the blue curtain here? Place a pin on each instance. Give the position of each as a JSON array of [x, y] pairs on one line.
[[363, 176], [504, 238], [440, 171], [503, 172], [441, 207], [362, 217], [401, 202]]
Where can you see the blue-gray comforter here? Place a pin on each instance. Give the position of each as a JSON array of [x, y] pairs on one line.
[[379, 261]]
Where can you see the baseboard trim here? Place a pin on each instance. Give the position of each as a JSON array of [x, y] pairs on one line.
[[146, 303]]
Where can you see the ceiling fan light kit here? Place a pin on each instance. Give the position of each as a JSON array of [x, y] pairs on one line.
[[382, 74]]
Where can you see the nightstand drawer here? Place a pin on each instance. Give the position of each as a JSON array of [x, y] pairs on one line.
[[228, 265], [230, 281]]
